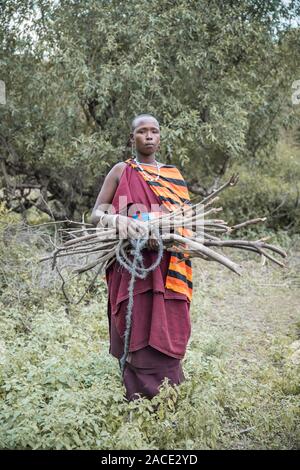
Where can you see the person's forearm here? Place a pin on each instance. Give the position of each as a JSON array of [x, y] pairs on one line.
[[95, 217], [124, 226]]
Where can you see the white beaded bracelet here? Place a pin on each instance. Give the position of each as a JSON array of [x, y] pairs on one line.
[[113, 219], [101, 220]]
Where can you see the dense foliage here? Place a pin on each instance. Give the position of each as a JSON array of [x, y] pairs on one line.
[[218, 75], [60, 388]]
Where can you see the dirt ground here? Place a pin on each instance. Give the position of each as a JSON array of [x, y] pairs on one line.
[[248, 309], [252, 322]]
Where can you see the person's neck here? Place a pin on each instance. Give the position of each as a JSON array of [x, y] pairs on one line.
[[150, 159]]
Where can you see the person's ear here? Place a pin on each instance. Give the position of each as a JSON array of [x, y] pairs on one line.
[[131, 138]]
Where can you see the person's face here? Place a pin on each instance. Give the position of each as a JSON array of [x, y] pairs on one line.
[[146, 136]]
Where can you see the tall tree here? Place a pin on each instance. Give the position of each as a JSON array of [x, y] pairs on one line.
[[217, 75]]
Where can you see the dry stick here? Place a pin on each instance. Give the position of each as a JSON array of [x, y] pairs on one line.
[[231, 182], [254, 243], [88, 266], [98, 242], [102, 258], [210, 201], [276, 249], [97, 245], [91, 236], [55, 222], [56, 255], [125, 245], [70, 253], [215, 221], [213, 210], [247, 222], [217, 227], [219, 222], [206, 251], [87, 252], [72, 277], [171, 214], [86, 290], [164, 217], [210, 237], [71, 232], [110, 263], [95, 241], [90, 229], [219, 230], [194, 220], [63, 285], [80, 239], [249, 248], [60, 250], [95, 262], [193, 208], [267, 255], [91, 283], [257, 249], [103, 252], [191, 254], [172, 217]]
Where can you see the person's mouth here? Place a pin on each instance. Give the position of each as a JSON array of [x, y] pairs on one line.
[[149, 145]]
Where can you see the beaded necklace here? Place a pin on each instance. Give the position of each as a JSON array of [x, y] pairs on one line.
[[146, 174]]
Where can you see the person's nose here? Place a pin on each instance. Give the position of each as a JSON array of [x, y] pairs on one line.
[[149, 136]]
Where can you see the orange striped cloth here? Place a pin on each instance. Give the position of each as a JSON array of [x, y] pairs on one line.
[[172, 191]]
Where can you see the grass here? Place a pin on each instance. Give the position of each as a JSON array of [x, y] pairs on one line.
[[60, 388], [251, 324]]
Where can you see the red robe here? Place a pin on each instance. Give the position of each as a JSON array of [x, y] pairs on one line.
[[161, 323]]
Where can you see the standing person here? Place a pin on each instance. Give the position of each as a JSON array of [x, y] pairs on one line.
[[161, 325]]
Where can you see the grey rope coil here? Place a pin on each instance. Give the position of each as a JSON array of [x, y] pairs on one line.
[[137, 269]]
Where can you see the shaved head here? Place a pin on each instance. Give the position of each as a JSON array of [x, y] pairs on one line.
[[143, 117]]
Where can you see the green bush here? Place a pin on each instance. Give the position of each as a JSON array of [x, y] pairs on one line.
[[270, 191], [60, 388]]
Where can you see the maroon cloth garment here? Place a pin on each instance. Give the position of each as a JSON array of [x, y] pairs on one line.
[[134, 192], [161, 324], [146, 371]]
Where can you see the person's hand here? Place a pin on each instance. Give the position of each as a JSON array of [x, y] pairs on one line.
[[152, 243], [131, 228]]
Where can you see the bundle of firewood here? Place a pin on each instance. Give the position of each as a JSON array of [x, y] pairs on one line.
[[204, 234]]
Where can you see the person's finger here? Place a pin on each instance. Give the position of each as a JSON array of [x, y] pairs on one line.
[[139, 231], [142, 230], [152, 244], [149, 246], [132, 232]]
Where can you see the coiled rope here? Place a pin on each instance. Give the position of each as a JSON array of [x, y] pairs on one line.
[[137, 269]]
